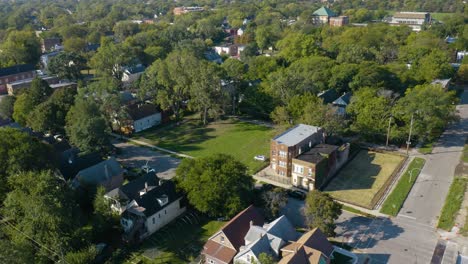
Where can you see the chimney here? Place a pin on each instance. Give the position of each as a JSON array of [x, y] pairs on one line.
[[251, 223], [160, 182], [146, 186]]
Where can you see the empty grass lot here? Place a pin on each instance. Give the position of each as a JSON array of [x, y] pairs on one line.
[[395, 200], [362, 178], [239, 139]]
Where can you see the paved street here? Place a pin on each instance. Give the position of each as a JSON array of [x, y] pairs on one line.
[[137, 156]]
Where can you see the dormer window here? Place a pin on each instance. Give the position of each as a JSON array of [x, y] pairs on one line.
[[163, 200]]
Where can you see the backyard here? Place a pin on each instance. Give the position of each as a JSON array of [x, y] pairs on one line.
[[362, 180], [179, 242], [239, 139]]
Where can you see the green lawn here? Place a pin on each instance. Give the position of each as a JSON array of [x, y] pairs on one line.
[[179, 242], [239, 139], [363, 177], [395, 200], [452, 203], [426, 148], [465, 153]]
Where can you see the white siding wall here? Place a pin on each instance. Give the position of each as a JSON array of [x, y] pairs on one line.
[[164, 216], [147, 122]]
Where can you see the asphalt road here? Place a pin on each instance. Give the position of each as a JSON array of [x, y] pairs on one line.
[[137, 156]]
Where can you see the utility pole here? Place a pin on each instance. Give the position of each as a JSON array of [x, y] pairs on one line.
[[409, 136], [388, 130]]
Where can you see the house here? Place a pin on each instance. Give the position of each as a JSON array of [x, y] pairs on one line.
[[64, 85], [269, 238], [223, 246], [70, 162], [415, 20], [140, 116], [213, 57], [154, 207], [131, 74], [461, 55], [342, 103], [312, 169], [107, 173], [15, 73], [50, 44], [328, 96], [322, 16], [232, 50], [45, 59], [121, 198], [14, 88], [292, 143], [189, 9], [338, 21], [445, 83], [312, 247]]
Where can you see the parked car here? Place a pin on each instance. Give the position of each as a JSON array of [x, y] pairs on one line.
[[147, 169], [297, 194], [260, 157]]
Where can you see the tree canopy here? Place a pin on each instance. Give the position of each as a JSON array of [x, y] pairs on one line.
[[321, 211]]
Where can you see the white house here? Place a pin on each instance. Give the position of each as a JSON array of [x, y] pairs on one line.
[[150, 210], [415, 20], [141, 116], [131, 74]]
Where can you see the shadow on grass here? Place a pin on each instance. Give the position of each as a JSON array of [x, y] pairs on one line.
[[359, 173]]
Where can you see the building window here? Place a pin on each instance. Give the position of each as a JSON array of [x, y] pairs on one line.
[[298, 169], [295, 180], [154, 221], [159, 215], [222, 239], [165, 212], [281, 173], [282, 164], [283, 154], [273, 153]]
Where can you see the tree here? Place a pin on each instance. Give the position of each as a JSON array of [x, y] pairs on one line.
[[431, 108], [110, 59], [169, 80], [103, 218], [20, 47], [29, 99], [42, 211], [217, 185], [206, 94], [6, 107], [321, 211], [296, 45], [462, 75], [125, 29], [74, 44], [274, 201], [264, 258], [323, 115], [86, 127], [83, 256], [67, 65]]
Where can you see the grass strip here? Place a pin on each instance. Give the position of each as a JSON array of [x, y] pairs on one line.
[[356, 211], [395, 200], [452, 203]]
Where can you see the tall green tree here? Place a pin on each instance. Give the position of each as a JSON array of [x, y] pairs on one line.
[[110, 59], [321, 211], [217, 185], [67, 65], [29, 99], [20, 47], [86, 127], [6, 107], [274, 200]]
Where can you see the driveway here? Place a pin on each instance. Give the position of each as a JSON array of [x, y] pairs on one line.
[[137, 156]]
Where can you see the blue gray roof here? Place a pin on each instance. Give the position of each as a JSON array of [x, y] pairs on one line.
[[100, 172], [135, 69], [296, 134], [16, 69], [343, 100]]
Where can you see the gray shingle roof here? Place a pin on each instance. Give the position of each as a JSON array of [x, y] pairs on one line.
[[296, 134], [100, 172]]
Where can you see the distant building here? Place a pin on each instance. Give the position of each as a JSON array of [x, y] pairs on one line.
[[15, 88], [339, 21], [108, 174], [322, 16], [45, 58], [328, 96], [189, 9], [445, 83], [312, 247], [460, 55], [141, 116], [342, 103], [232, 50], [51, 44], [415, 20], [131, 74], [15, 73]]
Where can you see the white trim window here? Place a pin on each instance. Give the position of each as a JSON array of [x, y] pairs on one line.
[[282, 164], [298, 169], [283, 154]]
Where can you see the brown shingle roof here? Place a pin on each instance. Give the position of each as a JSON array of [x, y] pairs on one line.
[[236, 229], [303, 255], [218, 251], [139, 111], [309, 248], [316, 239]]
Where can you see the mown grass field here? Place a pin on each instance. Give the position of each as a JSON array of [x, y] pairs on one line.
[[362, 178], [239, 139], [395, 200]]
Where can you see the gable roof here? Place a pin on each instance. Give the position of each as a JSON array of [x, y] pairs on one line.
[[311, 247], [328, 96], [218, 251], [316, 239], [131, 190], [324, 11], [303, 255], [71, 162], [135, 69], [148, 203], [443, 82], [139, 111], [239, 225], [100, 172], [260, 245], [296, 134], [16, 69], [343, 100]]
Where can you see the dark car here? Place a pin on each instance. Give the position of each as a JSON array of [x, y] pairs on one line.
[[297, 194]]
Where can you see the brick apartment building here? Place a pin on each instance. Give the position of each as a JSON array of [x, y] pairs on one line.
[[292, 143], [15, 73]]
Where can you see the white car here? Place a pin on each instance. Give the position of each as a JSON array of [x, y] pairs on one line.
[[260, 158]]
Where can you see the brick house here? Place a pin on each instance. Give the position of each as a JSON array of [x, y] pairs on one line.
[[292, 143], [15, 73], [313, 168], [338, 21]]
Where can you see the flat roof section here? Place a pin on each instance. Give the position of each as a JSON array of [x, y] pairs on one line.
[[296, 134]]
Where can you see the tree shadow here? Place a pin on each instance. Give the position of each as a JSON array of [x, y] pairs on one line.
[[359, 173]]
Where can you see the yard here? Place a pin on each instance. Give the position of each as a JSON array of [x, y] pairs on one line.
[[239, 139], [362, 180], [179, 242]]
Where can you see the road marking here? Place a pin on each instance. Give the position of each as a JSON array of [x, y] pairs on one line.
[[407, 216]]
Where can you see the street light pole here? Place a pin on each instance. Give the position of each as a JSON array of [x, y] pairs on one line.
[[409, 136]]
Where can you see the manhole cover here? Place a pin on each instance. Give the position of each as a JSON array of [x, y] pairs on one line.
[[409, 212]]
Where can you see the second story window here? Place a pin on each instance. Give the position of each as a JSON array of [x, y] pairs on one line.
[[298, 169], [282, 164], [283, 154]]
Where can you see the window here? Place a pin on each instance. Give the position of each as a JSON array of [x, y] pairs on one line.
[[281, 173], [310, 172], [273, 153], [282, 164], [154, 221], [283, 154], [159, 215], [165, 212], [222, 239], [298, 169]]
